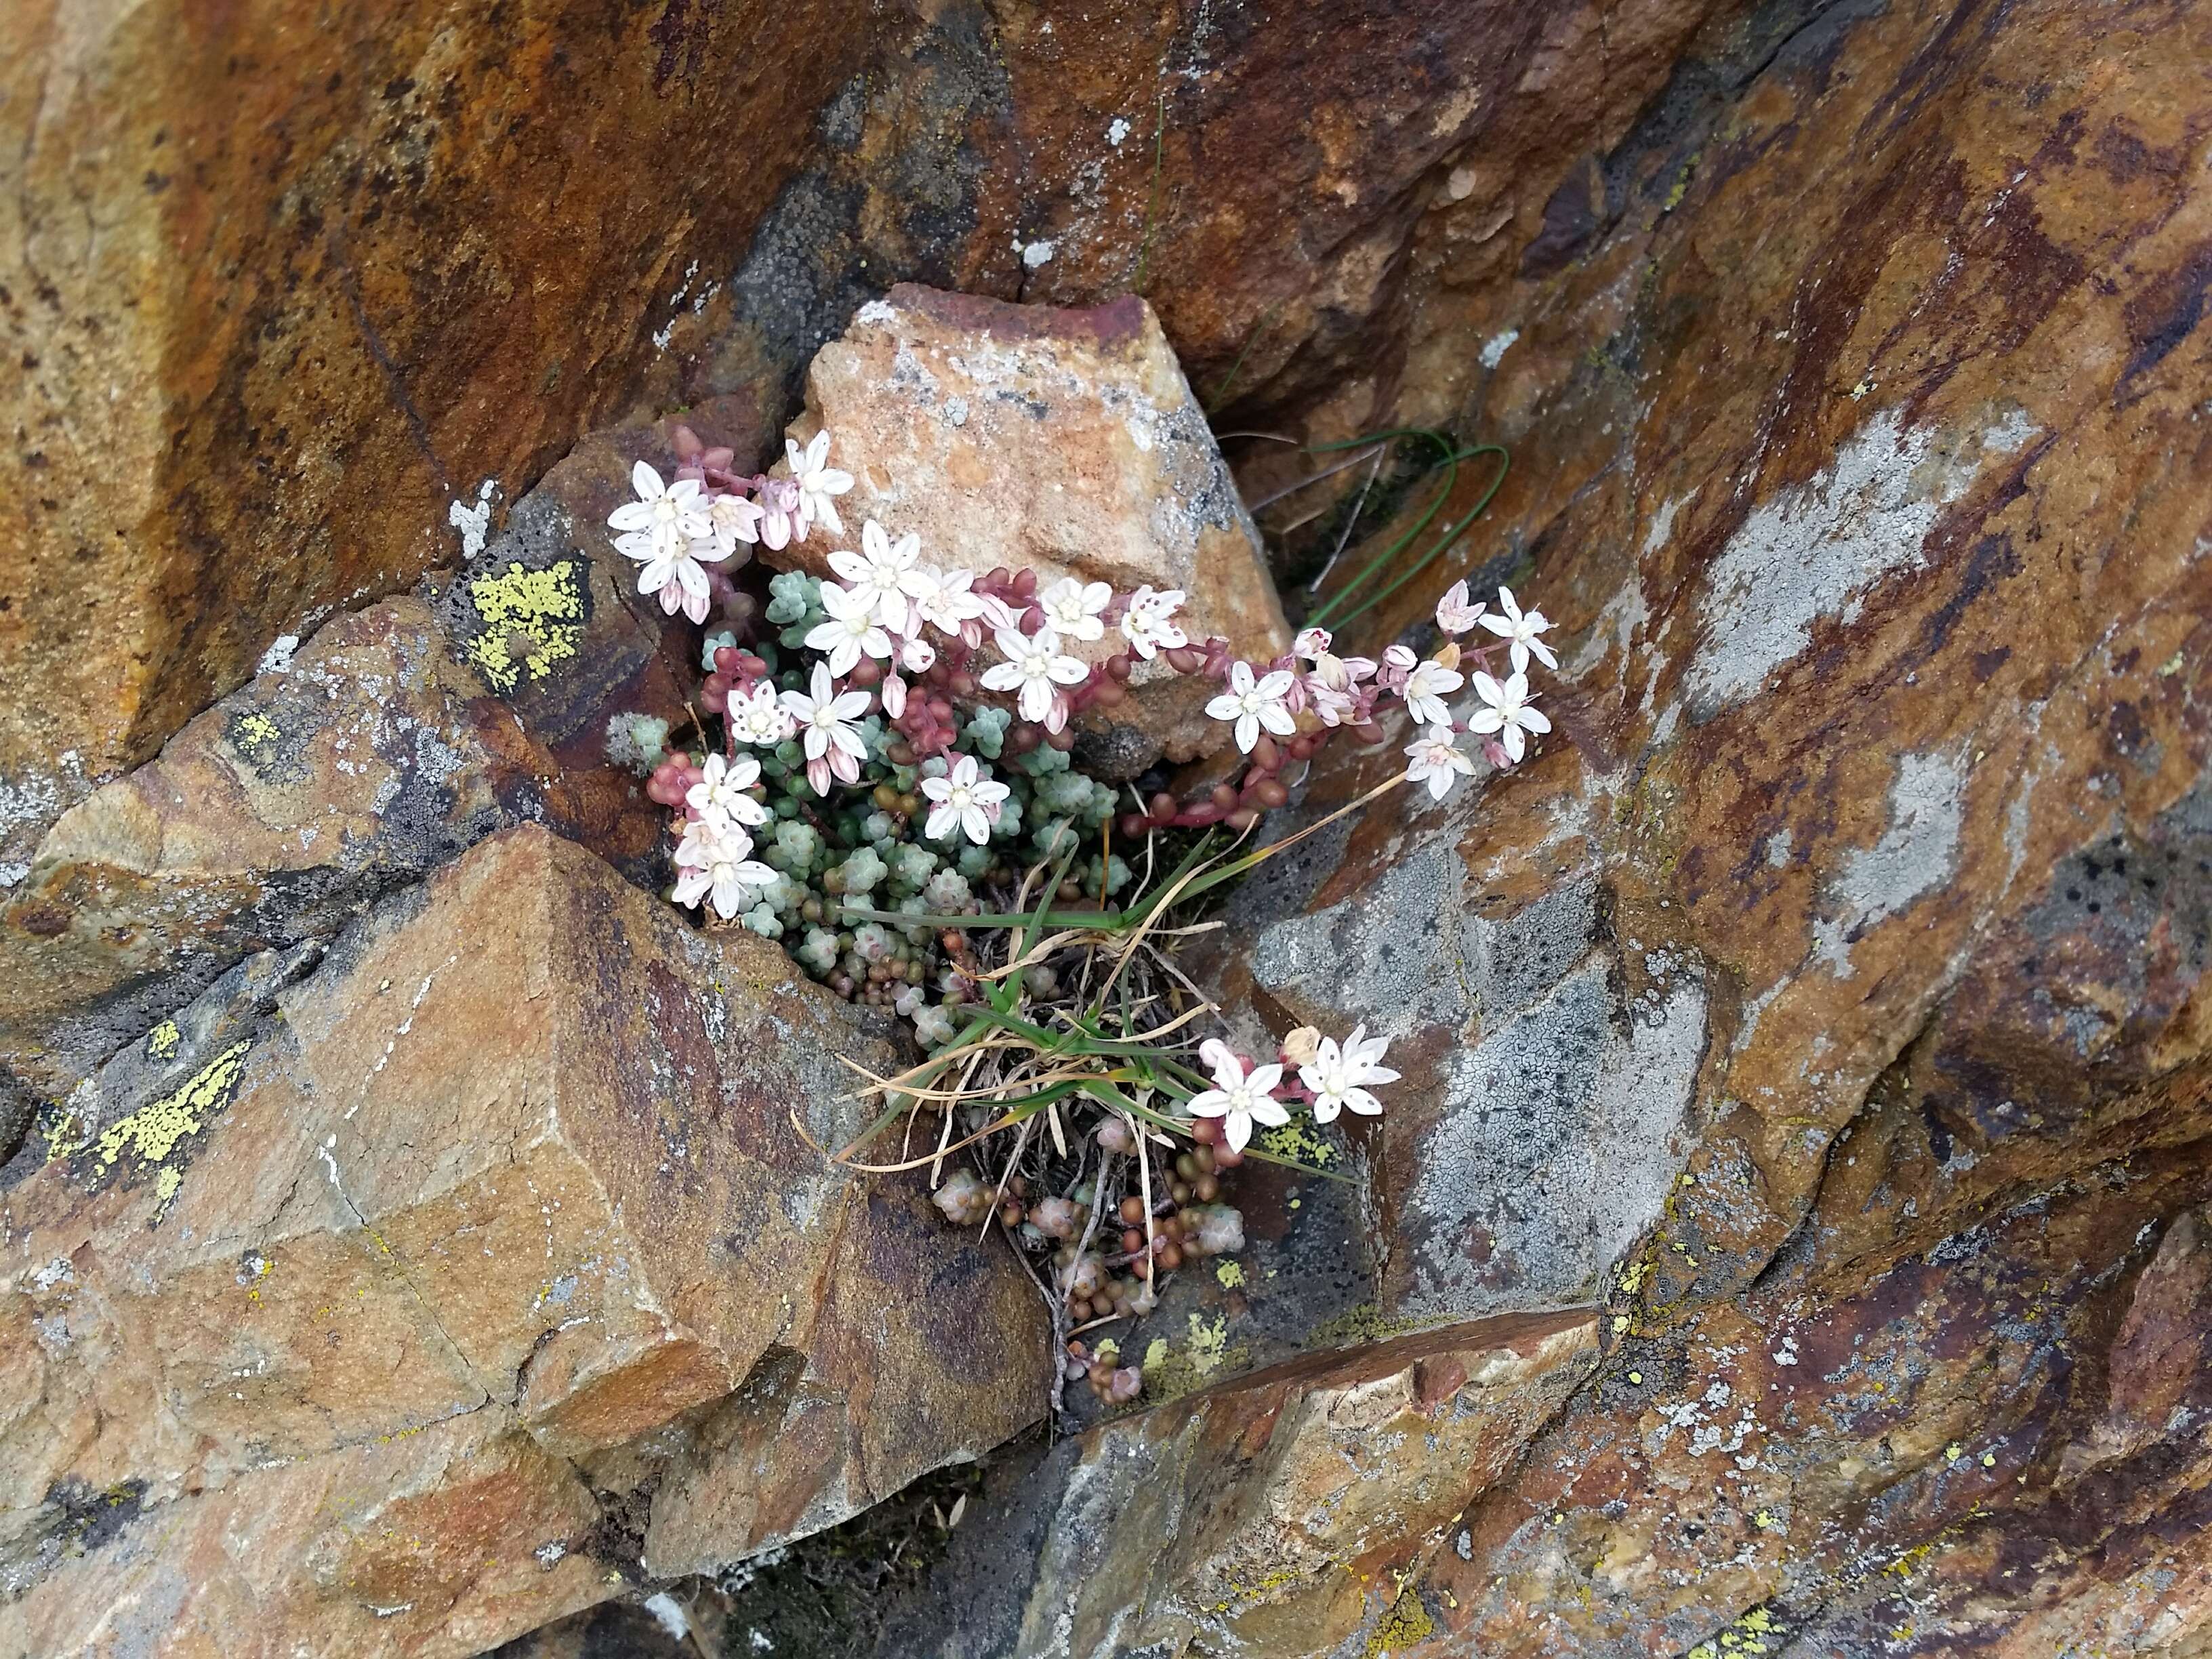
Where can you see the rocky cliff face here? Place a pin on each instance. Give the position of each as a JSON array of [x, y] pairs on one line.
[[1792, 1236], [1856, 1062]]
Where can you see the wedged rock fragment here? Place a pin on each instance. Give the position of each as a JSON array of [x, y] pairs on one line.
[[514, 1180], [1063, 440]]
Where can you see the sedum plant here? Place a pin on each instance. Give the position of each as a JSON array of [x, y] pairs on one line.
[[882, 781]]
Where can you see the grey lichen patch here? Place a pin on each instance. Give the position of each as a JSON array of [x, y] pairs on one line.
[[1561, 1121], [1818, 549], [1392, 954], [1559, 1140], [29, 803], [1918, 853]]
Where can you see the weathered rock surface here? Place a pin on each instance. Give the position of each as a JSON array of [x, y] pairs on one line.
[[489, 1265], [330, 328], [1065, 440], [1273, 1515], [391, 741], [328, 322], [359, 764], [1845, 957], [1314, 199]]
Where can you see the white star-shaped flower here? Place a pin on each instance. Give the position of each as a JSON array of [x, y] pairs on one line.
[[834, 745], [731, 519], [676, 578], [715, 861], [1254, 703], [1239, 1099], [1148, 622], [1522, 630], [1427, 686], [943, 598], [1072, 609], [671, 516], [1454, 614], [818, 483], [757, 717], [1338, 1077], [1437, 760], [1035, 668], [852, 629], [965, 800], [721, 791], [1507, 712], [878, 571]]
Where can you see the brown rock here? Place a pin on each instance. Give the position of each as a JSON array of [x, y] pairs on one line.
[[327, 308], [445, 1541], [1859, 453], [328, 320], [1067, 441], [394, 739], [518, 1163], [360, 763], [1318, 201], [1273, 1515]]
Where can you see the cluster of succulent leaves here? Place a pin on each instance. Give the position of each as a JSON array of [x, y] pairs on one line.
[[863, 848]]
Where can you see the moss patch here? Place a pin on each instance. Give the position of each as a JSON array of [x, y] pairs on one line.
[[826, 1596]]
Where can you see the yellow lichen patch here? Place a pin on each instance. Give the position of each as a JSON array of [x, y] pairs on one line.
[[64, 1136], [162, 1042], [1298, 1142], [1244, 1594], [1632, 1277], [152, 1132], [254, 730], [1170, 1374], [1681, 186], [165, 1189], [531, 619], [1231, 1273], [1755, 1632], [1406, 1623], [1207, 1344], [1364, 1323]]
